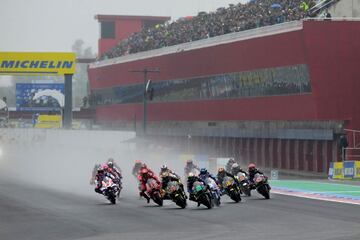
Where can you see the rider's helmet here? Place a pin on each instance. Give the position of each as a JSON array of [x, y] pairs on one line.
[[235, 166], [164, 168], [203, 171], [137, 162], [251, 167], [189, 162], [231, 161], [221, 172], [144, 171], [110, 163]]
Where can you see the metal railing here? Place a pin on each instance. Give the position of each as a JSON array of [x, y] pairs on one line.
[[324, 4], [352, 152]]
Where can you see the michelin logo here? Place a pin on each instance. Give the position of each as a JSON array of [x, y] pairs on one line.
[[34, 64]]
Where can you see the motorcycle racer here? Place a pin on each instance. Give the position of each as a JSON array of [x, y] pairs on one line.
[[189, 167], [191, 179], [144, 175], [166, 176], [229, 164], [222, 173], [136, 168], [112, 169], [235, 169], [252, 171], [101, 173], [204, 174]]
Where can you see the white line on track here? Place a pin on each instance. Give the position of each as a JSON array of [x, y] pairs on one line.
[[311, 196]]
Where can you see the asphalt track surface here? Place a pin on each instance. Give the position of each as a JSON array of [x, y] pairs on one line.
[[37, 213]]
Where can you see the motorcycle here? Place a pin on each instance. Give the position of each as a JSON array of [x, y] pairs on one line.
[[176, 193], [119, 184], [110, 189], [153, 191], [202, 194], [215, 191], [262, 186], [231, 188], [244, 184]]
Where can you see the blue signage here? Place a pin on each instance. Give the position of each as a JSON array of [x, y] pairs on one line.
[[349, 167], [25, 93]]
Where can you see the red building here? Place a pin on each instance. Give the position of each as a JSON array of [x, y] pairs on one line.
[[114, 28], [297, 82]]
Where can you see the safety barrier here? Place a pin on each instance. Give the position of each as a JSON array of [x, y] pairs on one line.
[[344, 170]]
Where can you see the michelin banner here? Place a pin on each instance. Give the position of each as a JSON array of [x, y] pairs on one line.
[[37, 63]]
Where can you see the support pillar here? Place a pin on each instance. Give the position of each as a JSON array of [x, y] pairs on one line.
[[67, 121]]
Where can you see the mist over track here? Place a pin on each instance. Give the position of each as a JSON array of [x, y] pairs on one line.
[[45, 194]]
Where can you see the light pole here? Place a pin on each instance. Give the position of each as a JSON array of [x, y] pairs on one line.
[[145, 71]]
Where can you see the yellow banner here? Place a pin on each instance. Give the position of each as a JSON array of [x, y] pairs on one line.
[[338, 170], [36, 63], [48, 121], [357, 169]]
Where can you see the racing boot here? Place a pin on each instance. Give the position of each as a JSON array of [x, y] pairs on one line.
[[145, 196], [98, 190]]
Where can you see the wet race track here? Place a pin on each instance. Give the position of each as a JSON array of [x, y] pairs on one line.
[[37, 213], [49, 198]]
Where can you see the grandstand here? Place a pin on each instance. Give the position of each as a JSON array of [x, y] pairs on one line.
[[279, 94]]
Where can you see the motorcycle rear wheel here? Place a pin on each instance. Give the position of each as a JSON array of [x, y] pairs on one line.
[[157, 199], [263, 190]]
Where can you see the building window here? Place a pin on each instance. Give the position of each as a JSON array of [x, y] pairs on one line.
[[289, 80], [108, 30]]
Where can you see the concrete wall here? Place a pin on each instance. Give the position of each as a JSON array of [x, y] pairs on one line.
[[285, 154]]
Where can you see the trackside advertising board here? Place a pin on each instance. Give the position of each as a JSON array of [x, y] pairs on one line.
[[36, 63], [338, 170], [25, 93], [349, 169], [357, 169], [344, 170]]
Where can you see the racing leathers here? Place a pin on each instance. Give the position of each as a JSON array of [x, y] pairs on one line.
[[117, 173], [143, 178], [190, 183], [235, 171], [99, 179], [207, 175], [166, 177], [252, 173], [229, 164], [221, 177], [136, 168], [189, 167]]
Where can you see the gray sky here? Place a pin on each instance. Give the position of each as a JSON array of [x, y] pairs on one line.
[[54, 25]]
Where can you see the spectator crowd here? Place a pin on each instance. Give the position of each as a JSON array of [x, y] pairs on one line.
[[235, 18]]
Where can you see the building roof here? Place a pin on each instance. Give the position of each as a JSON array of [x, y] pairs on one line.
[[129, 17]]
